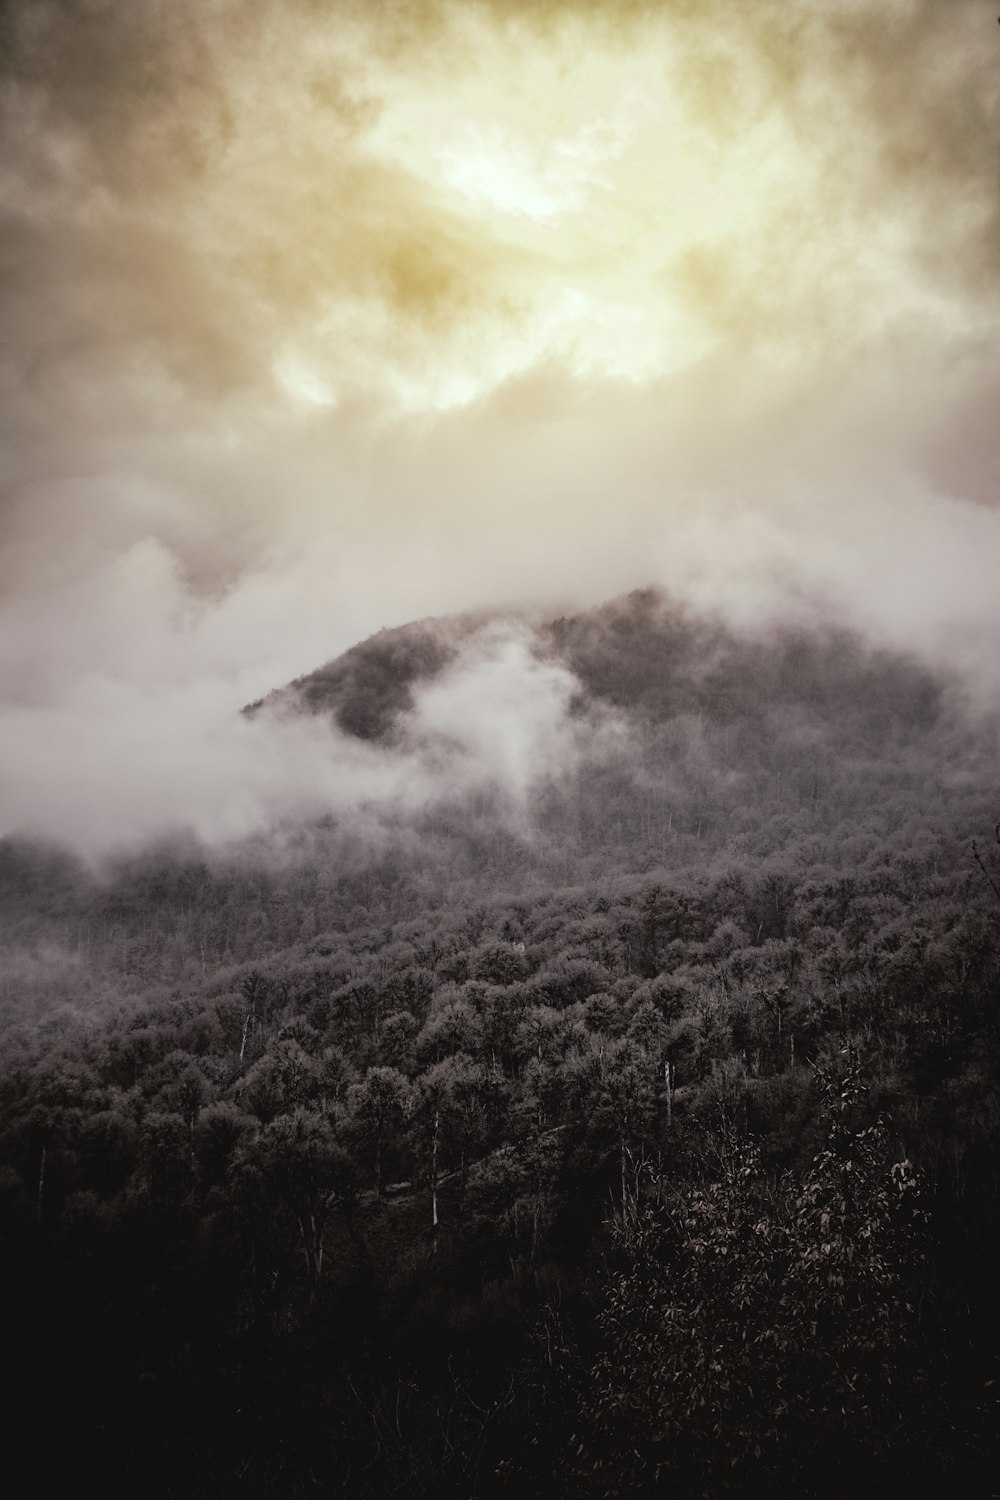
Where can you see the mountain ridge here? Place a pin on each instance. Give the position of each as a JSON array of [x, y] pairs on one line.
[[640, 645]]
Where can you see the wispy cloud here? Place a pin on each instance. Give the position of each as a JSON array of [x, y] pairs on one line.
[[316, 319]]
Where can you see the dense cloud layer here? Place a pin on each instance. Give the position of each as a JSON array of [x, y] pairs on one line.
[[321, 317]]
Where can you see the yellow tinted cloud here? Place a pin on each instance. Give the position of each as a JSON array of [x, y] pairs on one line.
[[420, 203]]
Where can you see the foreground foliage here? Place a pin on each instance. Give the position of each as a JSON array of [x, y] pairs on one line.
[[755, 1325]]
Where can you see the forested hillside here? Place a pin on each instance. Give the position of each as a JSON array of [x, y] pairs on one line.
[[639, 1138]]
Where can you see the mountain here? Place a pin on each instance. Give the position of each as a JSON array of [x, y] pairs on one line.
[[366, 689], [660, 739], [782, 732], [617, 1115], [642, 653]]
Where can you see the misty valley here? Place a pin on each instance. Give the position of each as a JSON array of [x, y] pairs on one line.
[[603, 1101]]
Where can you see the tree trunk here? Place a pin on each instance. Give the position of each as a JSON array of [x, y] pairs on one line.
[[41, 1182], [434, 1176], [311, 1233]]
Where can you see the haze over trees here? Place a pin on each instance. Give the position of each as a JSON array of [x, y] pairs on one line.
[[625, 1128]]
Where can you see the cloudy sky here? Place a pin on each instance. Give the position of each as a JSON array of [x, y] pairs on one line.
[[318, 316]]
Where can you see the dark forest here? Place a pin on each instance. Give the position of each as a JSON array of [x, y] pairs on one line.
[[642, 1144]]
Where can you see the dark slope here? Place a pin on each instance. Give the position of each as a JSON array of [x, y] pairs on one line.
[[717, 732], [790, 741], [647, 656], [369, 686]]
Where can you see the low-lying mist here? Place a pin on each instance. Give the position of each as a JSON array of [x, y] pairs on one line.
[[116, 764]]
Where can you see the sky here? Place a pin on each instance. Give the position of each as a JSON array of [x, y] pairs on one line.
[[322, 315]]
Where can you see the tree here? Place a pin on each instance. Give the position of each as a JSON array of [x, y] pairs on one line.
[[447, 1109], [760, 1322], [378, 1106], [297, 1161], [220, 1129], [285, 1078]]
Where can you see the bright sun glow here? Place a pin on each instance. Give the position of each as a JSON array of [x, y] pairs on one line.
[[566, 206]]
